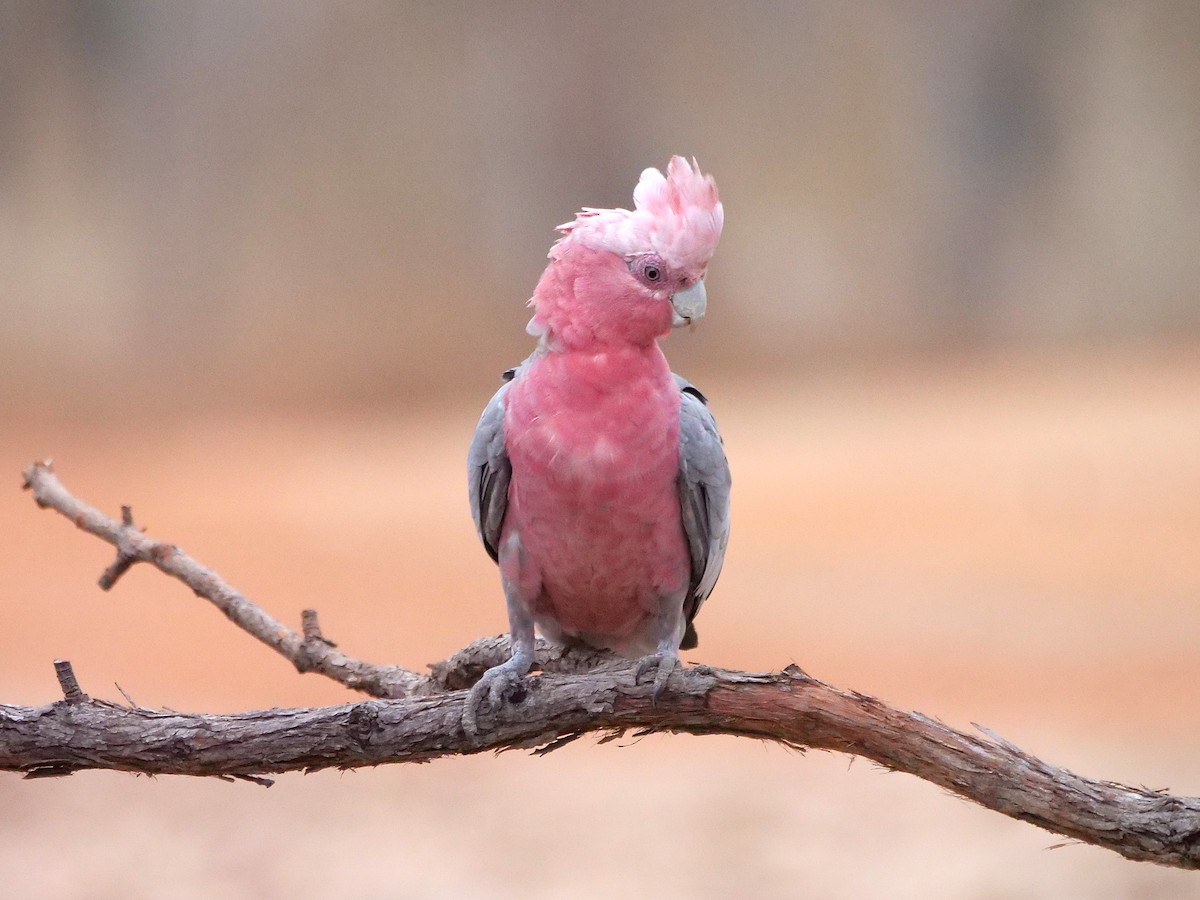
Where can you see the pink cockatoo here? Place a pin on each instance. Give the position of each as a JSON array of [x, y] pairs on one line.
[[597, 478]]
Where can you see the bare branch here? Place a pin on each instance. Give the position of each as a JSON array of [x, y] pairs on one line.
[[312, 628], [788, 707], [68, 682], [317, 655], [125, 557], [581, 692]]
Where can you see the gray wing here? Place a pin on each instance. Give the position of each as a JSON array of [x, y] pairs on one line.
[[489, 471], [704, 482]]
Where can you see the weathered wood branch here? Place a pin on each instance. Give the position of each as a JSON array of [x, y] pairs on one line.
[[308, 652], [579, 692]]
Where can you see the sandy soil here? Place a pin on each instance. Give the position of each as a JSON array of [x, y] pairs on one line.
[[1010, 541]]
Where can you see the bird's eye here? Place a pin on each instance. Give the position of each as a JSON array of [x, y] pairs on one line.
[[649, 269]]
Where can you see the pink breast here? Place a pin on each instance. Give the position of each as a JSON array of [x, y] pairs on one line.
[[594, 445]]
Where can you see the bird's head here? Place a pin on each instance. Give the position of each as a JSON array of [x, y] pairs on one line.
[[629, 276]]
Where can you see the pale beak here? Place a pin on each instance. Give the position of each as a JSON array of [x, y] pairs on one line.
[[688, 305]]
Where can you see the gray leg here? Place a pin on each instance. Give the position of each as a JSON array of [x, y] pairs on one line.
[[665, 659], [666, 655], [498, 680]]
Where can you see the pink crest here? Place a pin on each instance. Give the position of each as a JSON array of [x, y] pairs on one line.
[[678, 216]]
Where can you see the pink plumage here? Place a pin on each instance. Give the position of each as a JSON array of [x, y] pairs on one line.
[[597, 477], [678, 216], [593, 495]]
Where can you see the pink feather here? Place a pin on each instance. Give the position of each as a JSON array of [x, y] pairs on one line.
[[592, 423]]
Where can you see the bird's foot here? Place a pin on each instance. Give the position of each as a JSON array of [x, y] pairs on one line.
[[492, 687], [665, 662]]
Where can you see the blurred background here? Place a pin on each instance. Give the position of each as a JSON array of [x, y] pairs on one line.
[[261, 267]]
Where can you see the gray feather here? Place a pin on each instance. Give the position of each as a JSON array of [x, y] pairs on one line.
[[489, 471], [704, 483]]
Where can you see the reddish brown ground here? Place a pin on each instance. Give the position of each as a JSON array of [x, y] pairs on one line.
[[1014, 542]]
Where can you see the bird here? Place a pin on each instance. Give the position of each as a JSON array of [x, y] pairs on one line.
[[597, 478]]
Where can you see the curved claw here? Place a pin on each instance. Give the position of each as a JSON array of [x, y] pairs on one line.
[[665, 662], [495, 683]]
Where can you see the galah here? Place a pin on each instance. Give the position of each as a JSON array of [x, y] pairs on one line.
[[597, 478]]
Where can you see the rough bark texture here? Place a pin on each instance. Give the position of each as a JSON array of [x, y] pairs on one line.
[[579, 692]]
